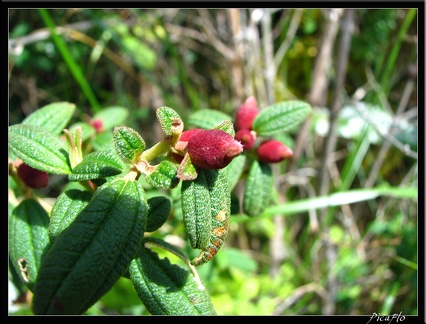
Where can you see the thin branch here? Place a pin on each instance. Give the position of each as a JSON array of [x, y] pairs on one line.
[[282, 50], [386, 146]]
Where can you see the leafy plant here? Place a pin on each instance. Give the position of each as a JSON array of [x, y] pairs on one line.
[[102, 225]]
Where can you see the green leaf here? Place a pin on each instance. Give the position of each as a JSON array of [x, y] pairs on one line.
[[340, 198], [281, 117], [170, 120], [128, 143], [164, 176], [101, 140], [227, 126], [235, 169], [196, 210], [220, 200], [66, 208], [87, 130], [207, 118], [112, 116], [94, 251], [96, 165], [257, 191], [39, 148], [186, 170], [28, 239], [167, 289], [53, 117], [158, 211]]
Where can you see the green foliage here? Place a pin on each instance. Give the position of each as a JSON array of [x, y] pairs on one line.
[[196, 210], [97, 165], [258, 188], [75, 273], [167, 289], [111, 233], [39, 148], [128, 143], [53, 117], [28, 240], [207, 118], [281, 117]]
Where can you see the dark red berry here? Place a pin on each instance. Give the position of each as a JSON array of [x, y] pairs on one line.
[[246, 137], [273, 151], [246, 113], [33, 178], [213, 149]]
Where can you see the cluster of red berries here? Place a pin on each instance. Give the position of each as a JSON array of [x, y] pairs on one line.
[[268, 151]]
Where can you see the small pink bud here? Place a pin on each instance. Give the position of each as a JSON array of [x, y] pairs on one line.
[[246, 137], [33, 178], [97, 124], [273, 151], [213, 149], [246, 113]]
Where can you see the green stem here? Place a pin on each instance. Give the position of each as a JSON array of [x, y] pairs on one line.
[[158, 149], [72, 65]]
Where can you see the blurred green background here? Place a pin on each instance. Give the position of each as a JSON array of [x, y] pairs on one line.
[[358, 70]]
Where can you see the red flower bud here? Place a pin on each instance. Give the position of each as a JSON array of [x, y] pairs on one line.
[[273, 151], [246, 113], [186, 135], [183, 143], [33, 178], [97, 124], [213, 149], [246, 137]]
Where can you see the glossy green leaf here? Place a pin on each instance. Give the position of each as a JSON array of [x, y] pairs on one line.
[[94, 251], [281, 117], [66, 208], [196, 210], [164, 176], [257, 191], [168, 289], [39, 148], [53, 117], [169, 120], [128, 143], [159, 209], [207, 118], [112, 116], [96, 165], [28, 239]]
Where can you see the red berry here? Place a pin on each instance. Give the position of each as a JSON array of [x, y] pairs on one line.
[[246, 138], [97, 124], [33, 178], [273, 151], [246, 113], [213, 149]]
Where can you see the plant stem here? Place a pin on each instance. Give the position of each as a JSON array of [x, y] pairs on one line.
[[158, 149]]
